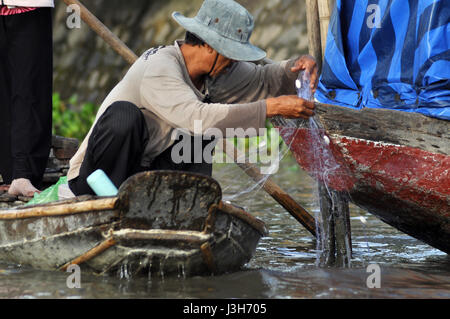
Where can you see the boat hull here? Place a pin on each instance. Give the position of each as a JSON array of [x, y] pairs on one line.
[[136, 233], [406, 186], [231, 246]]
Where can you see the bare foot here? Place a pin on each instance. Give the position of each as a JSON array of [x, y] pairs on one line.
[[22, 187]]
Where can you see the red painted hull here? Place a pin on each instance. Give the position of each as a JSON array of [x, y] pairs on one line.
[[407, 187]]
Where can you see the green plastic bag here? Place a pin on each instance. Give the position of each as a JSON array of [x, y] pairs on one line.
[[49, 194]]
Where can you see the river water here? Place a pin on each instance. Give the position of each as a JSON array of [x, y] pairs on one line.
[[284, 265]]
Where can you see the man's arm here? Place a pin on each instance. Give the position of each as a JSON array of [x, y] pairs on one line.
[[165, 93], [289, 106], [174, 101], [248, 82]]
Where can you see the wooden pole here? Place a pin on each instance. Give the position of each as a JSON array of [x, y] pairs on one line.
[[104, 32], [62, 209], [97, 250], [343, 236], [313, 28], [335, 232], [324, 9], [274, 190]]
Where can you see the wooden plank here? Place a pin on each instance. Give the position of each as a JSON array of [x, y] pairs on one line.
[[390, 126], [189, 236]]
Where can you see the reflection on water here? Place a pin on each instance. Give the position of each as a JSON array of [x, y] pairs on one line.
[[284, 263]]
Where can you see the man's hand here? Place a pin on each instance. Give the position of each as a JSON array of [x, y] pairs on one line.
[[289, 106], [308, 63]]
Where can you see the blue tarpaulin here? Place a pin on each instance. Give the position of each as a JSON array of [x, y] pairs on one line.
[[391, 54]]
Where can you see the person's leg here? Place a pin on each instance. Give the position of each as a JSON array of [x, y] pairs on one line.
[[29, 38], [165, 160], [5, 108], [116, 146]]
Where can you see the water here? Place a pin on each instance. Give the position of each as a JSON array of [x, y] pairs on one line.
[[283, 265]]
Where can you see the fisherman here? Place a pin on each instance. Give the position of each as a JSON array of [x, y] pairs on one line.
[[210, 76]]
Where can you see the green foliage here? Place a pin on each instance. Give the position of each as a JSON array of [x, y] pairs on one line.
[[71, 118], [282, 148]]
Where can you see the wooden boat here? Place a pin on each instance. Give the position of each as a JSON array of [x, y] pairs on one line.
[[161, 222], [394, 164]]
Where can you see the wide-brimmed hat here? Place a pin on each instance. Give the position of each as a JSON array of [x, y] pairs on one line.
[[226, 26]]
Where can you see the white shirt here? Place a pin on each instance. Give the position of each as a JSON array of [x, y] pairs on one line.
[[29, 3]]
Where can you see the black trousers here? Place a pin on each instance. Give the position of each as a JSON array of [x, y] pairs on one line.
[[26, 76], [116, 146]]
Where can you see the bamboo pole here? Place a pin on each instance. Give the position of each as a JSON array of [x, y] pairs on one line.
[[97, 250], [313, 28], [104, 32], [63, 209], [274, 190], [324, 9]]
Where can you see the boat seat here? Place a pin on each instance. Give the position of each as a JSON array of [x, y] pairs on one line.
[[172, 200]]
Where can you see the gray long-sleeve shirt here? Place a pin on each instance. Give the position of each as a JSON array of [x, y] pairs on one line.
[[159, 84]]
